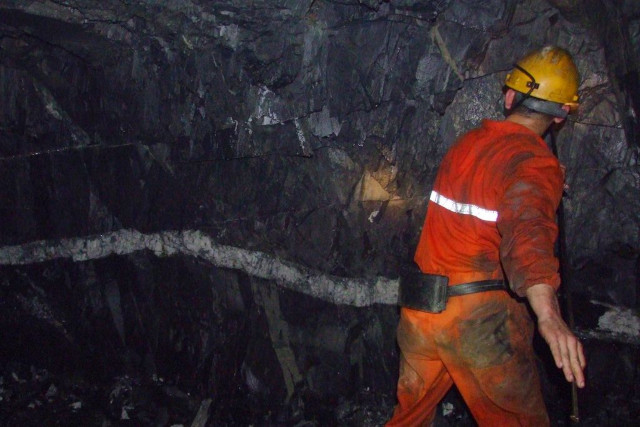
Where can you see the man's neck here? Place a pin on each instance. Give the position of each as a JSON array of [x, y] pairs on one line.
[[535, 124]]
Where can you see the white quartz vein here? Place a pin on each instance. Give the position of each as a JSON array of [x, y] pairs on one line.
[[620, 321], [358, 292]]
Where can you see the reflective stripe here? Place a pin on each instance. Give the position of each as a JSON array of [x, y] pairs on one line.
[[464, 208]]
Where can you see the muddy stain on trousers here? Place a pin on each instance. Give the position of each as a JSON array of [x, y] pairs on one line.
[[483, 343]]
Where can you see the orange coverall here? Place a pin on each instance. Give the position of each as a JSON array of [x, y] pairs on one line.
[[491, 215]]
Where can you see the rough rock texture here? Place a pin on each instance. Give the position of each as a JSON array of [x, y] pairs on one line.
[[301, 137]]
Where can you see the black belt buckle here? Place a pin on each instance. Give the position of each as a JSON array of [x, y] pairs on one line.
[[424, 292]]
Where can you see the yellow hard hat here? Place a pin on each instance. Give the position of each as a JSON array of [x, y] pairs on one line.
[[548, 74]]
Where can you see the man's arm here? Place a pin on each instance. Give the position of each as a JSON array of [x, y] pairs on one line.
[[526, 222], [565, 347]]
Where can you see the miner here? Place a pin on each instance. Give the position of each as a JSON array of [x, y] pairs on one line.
[[486, 250]]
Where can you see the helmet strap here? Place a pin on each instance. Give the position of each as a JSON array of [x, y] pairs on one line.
[[540, 105], [532, 85]]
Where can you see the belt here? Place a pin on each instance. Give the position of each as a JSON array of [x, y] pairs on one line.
[[430, 292], [479, 286]]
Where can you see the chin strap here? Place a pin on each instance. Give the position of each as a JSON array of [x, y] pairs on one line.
[[542, 106]]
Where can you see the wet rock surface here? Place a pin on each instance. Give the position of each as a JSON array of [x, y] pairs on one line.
[[205, 205]]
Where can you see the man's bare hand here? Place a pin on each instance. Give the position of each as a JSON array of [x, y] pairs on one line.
[[565, 347]]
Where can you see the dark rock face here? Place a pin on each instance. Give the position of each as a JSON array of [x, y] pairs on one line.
[[293, 144]]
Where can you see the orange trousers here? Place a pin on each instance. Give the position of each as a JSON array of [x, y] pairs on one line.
[[483, 343]]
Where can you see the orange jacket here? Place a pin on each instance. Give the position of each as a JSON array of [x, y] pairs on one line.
[[492, 209]]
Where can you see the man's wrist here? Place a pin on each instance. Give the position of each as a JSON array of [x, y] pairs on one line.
[[540, 289], [543, 300]]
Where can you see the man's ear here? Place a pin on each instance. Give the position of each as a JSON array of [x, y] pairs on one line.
[[566, 108], [509, 96]]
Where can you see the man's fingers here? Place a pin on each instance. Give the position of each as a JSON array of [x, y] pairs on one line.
[[577, 364], [578, 377], [567, 366], [573, 359], [555, 350], [567, 352], [581, 358]]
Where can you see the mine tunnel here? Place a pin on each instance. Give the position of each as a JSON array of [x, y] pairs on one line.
[[205, 206]]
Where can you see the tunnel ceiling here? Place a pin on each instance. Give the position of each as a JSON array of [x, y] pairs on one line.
[[292, 142]]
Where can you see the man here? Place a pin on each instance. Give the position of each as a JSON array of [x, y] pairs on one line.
[[491, 218]]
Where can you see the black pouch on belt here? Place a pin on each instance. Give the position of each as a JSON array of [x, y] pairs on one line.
[[430, 292], [424, 292]]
